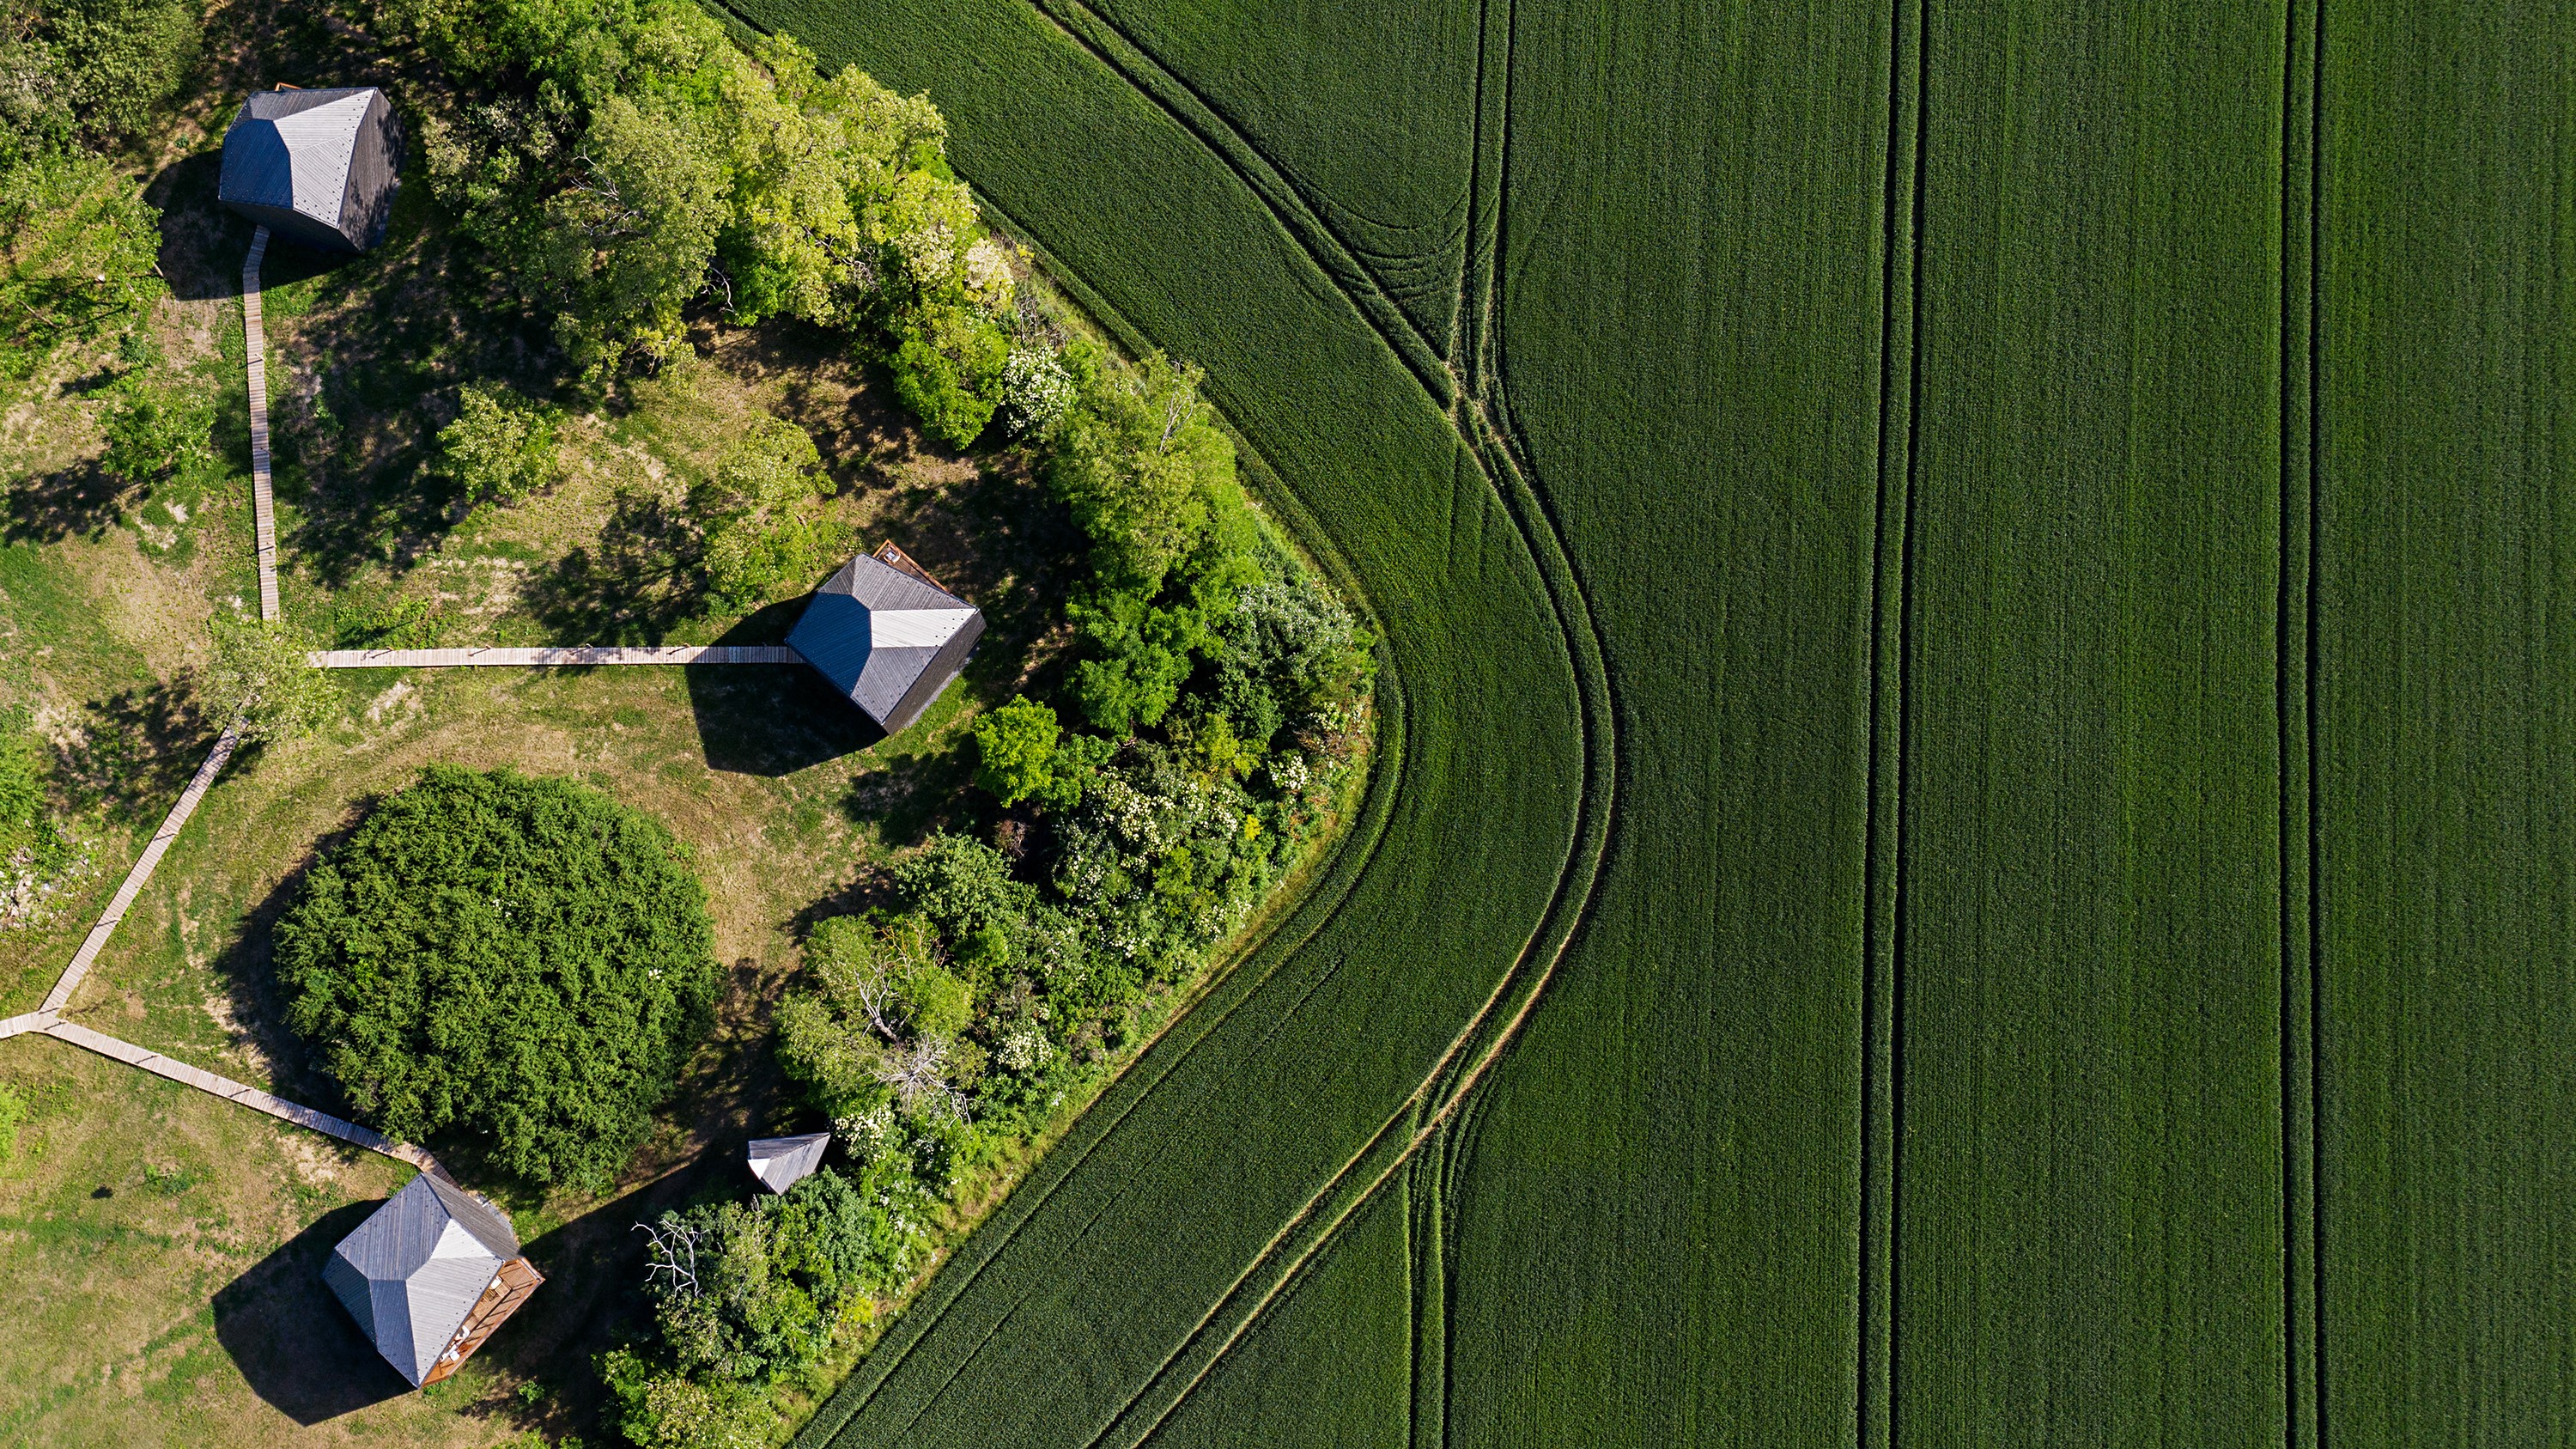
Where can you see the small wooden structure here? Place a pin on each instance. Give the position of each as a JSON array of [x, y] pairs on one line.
[[429, 1276]]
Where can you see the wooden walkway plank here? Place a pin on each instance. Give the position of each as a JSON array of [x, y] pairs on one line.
[[32, 1021], [573, 656], [232, 1091], [144, 865], [263, 503]]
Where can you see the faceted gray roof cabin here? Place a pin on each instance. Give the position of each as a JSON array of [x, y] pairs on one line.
[[886, 636], [412, 1273], [315, 167], [782, 1162]]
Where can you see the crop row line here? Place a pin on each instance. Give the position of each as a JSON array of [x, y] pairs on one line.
[[2295, 655], [1891, 710]]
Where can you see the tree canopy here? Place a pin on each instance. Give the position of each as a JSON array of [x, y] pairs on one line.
[[622, 158], [501, 954], [259, 679]]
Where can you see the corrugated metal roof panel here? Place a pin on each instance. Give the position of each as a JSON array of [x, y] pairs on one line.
[[321, 140]]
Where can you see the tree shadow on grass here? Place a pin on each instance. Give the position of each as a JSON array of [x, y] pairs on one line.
[[247, 967], [291, 1339], [82, 500], [642, 581], [137, 748]]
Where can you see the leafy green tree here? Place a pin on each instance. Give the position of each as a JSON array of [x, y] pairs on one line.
[[524, 958], [260, 678], [620, 160], [950, 382], [501, 448], [1151, 481], [766, 537], [1014, 749], [1138, 655], [666, 1409], [962, 885], [117, 60], [883, 1014], [1149, 477], [1290, 650]]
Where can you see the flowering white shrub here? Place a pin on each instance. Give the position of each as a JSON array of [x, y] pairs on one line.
[[988, 275], [1025, 1050], [1036, 392]]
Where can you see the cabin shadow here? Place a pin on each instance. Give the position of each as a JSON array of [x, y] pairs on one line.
[[293, 1342], [202, 245], [772, 719], [593, 1297]]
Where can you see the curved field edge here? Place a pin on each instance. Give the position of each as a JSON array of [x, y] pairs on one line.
[[1468, 610]]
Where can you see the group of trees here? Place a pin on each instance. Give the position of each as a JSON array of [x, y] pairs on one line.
[[78, 80], [745, 1295], [622, 159]]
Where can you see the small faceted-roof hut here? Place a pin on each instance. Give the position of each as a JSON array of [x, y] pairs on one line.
[[429, 1276], [782, 1162], [315, 167], [887, 635]]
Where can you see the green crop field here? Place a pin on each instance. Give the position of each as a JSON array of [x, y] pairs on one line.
[[1973, 838]]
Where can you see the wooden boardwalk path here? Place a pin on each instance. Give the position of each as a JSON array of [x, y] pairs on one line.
[[263, 505], [560, 656], [232, 1091], [48, 1020], [144, 865]]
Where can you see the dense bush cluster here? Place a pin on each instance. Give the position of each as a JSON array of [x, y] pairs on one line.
[[523, 958], [501, 447], [1217, 700], [749, 1294]]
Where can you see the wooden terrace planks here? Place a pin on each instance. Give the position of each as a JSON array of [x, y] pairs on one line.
[[263, 504]]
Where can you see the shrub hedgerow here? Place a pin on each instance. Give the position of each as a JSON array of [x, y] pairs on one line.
[[507, 955]]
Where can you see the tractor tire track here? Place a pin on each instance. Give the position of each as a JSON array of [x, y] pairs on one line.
[[1489, 1033]]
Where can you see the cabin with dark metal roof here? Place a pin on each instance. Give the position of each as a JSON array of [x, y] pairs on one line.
[[315, 167], [887, 635], [428, 1277]]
